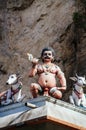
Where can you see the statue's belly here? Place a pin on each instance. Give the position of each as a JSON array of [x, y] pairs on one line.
[[47, 80]]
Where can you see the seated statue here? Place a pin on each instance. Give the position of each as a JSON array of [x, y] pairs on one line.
[[47, 72]]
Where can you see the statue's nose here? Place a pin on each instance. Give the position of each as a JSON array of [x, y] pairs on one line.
[[6, 83], [84, 84]]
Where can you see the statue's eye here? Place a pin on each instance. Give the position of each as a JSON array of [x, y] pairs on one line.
[[79, 79], [46, 54], [49, 54]]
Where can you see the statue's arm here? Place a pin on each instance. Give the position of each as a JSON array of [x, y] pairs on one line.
[[33, 71], [62, 79]]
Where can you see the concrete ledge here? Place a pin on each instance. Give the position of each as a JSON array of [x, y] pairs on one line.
[[48, 109]]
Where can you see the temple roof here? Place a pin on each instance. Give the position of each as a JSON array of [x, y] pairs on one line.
[[43, 109]]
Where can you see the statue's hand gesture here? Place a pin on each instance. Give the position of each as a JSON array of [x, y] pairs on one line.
[[32, 59]]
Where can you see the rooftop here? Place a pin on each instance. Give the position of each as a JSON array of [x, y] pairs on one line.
[[43, 109]]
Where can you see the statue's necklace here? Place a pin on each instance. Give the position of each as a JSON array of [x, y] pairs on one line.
[[47, 68]]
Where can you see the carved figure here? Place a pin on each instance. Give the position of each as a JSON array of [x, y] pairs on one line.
[[14, 93], [78, 97], [47, 72]]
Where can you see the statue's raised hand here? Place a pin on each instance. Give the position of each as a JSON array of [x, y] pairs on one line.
[[32, 59]]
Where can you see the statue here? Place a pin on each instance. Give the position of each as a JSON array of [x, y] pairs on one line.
[[14, 93], [78, 96], [47, 73]]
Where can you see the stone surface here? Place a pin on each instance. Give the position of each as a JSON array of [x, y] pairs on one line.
[[48, 110]]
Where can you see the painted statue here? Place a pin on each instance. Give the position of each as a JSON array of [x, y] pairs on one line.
[[78, 96], [14, 93], [47, 73]]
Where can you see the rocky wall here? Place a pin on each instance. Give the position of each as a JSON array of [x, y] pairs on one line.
[[29, 26]]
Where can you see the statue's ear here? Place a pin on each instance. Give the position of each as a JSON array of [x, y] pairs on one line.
[[76, 75], [73, 78], [18, 75], [84, 76]]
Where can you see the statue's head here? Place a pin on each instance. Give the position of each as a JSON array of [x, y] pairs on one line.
[[48, 54]]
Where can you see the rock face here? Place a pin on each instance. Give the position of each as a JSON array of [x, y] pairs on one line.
[[31, 25]]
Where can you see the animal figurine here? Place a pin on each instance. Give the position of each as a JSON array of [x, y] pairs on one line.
[[78, 97], [14, 93]]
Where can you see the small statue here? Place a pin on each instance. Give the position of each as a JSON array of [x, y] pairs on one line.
[[78, 96], [47, 72], [14, 93]]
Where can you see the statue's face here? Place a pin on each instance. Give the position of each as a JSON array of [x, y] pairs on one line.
[[47, 56]]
